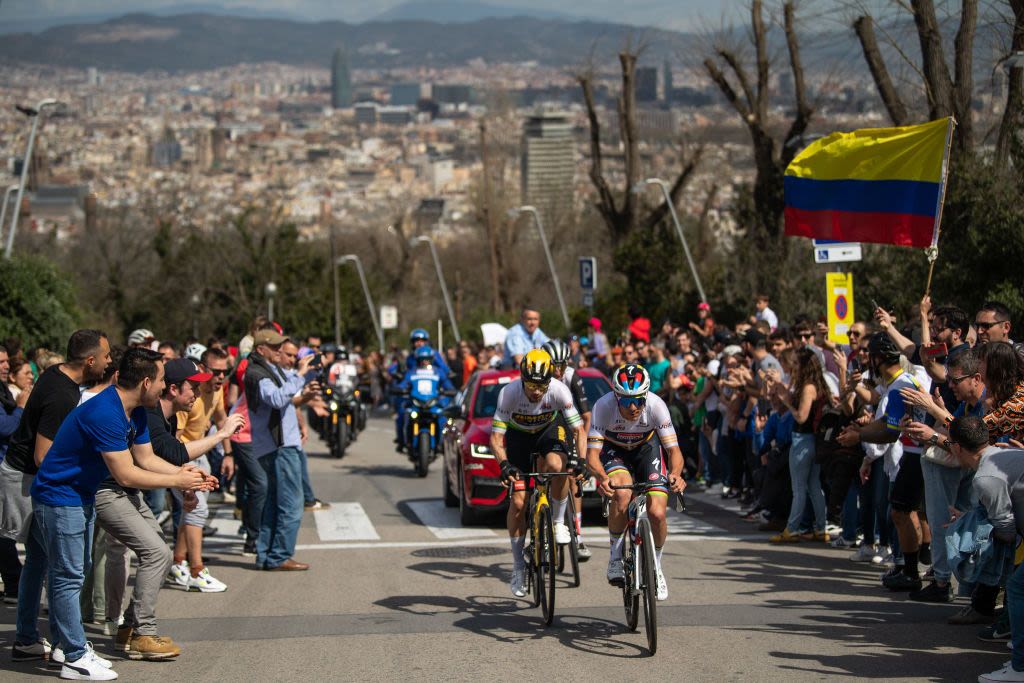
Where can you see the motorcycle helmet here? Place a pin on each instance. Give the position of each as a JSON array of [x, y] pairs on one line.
[[631, 381], [419, 334], [341, 353], [424, 356], [558, 350], [536, 367]]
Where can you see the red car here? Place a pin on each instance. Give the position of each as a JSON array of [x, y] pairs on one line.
[[471, 479]]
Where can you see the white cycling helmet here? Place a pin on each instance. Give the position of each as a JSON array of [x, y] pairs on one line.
[[631, 380], [195, 352]]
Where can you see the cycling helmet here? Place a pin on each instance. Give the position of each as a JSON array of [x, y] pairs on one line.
[[882, 346], [419, 334], [536, 367], [195, 352], [341, 353], [424, 354], [558, 350], [631, 380]]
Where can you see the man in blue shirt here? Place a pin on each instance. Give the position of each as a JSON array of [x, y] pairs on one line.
[[106, 436], [523, 337]]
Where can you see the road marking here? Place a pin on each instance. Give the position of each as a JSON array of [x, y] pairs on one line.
[[730, 538], [344, 522], [444, 522]]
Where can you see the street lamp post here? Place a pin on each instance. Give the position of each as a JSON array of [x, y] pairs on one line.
[[33, 114], [547, 253], [366, 290], [444, 286], [679, 229], [271, 292], [3, 209]]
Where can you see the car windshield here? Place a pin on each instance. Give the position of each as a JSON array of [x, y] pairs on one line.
[[595, 388], [487, 396]]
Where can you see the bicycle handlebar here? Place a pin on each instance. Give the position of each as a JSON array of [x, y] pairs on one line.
[[677, 501]]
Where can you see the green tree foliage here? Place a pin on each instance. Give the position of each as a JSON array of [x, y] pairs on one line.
[[37, 301]]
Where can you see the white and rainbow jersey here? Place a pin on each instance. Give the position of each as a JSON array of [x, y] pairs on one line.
[[607, 424]]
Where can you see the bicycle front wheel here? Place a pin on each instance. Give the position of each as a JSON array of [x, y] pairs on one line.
[[573, 548], [649, 587], [630, 594], [547, 551]]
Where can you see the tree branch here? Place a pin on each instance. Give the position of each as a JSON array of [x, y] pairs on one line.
[[963, 89], [741, 75], [803, 110], [761, 50], [606, 202], [864, 26], [1013, 115], [938, 82], [727, 90]]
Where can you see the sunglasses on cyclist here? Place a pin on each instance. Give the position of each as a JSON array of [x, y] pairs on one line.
[[535, 386], [630, 401]]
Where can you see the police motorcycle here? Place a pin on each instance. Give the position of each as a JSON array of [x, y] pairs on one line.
[[346, 412], [427, 393]]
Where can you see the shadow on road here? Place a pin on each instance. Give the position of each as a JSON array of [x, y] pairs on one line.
[[504, 621]]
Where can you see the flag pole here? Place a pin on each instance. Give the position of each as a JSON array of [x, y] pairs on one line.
[[932, 252]]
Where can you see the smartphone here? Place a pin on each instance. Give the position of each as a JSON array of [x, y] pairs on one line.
[[315, 363], [935, 351]]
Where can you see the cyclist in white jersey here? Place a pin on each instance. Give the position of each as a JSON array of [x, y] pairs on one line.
[[562, 371], [526, 423], [621, 450]]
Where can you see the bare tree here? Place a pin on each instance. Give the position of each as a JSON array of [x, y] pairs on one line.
[[1010, 124], [750, 100]]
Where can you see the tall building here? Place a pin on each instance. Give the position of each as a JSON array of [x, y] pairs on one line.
[[667, 82], [548, 161], [647, 84], [405, 94], [341, 81]]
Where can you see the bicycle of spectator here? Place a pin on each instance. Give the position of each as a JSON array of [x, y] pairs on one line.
[[639, 570]]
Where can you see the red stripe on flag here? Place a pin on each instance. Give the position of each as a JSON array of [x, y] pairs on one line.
[[904, 230]]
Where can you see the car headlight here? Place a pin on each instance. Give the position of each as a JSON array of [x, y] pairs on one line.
[[334, 405], [481, 451]]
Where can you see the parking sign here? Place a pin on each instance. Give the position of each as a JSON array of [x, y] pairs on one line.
[[588, 273]]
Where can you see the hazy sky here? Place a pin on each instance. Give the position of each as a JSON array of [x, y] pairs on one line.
[[678, 14]]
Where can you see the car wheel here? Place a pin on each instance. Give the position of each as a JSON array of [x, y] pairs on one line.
[[467, 515], [450, 499]]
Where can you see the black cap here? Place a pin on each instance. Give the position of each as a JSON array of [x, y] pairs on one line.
[[755, 337], [180, 369]]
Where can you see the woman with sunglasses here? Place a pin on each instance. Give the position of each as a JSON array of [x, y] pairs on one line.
[[620, 450]]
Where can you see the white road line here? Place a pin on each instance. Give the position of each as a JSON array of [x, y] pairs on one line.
[[444, 522], [344, 522], [504, 541]]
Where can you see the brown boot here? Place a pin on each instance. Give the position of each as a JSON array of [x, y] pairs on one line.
[[152, 648], [123, 638]]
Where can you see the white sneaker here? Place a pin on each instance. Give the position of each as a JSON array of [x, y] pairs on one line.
[[865, 553], [518, 583], [841, 543], [57, 656], [562, 536], [1005, 674], [662, 587], [205, 583], [110, 626], [178, 575], [88, 667], [883, 555], [40, 649], [616, 576]]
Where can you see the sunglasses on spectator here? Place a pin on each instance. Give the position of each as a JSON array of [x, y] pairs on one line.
[[957, 380], [216, 372], [630, 401], [804, 335], [535, 386], [853, 333], [985, 327]]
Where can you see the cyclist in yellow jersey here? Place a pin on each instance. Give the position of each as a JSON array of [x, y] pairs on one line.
[[620, 451], [526, 423]]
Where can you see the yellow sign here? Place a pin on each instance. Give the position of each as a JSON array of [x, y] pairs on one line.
[[839, 288]]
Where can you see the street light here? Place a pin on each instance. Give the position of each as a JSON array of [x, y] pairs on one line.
[[271, 292], [366, 290], [33, 114], [637, 189], [3, 209], [513, 213], [444, 286]]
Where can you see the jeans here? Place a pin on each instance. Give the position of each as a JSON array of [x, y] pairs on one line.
[[155, 500], [307, 490], [874, 505], [282, 513], [67, 533], [255, 484], [851, 515], [1015, 608], [806, 478], [704, 446], [30, 590], [944, 487]]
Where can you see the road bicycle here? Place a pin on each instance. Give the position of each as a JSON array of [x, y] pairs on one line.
[[572, 549], [640, 573]]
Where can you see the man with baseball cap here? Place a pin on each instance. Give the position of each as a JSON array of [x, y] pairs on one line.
[[276, 441]]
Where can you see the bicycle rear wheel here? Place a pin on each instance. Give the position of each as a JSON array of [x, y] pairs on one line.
[[649, 587], [630, 596], [574, 543], [546, 572], [536, 584]]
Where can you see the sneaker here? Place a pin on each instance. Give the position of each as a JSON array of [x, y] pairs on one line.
[[841, 543], [901, 582], [205, 583], [933, 592], [786, 536], [969, 616], [38, 650], [209, 531], [123, 638], [317, 504], [1007, 673], [88, 667], [178, 575], [996, 633], [562, 535], [249, 549], [865, 553], [833, 530], [662, 587], [929, 575], [518, 583], [816, 536], [884, 556], [57, 657], [583, 552], [110, 627], [152, 648], [616, 576]]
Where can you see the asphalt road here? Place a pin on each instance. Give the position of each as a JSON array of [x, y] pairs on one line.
[[398, 591]]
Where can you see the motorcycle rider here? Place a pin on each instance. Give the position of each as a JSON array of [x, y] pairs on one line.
[[424, 368], [418, 339]]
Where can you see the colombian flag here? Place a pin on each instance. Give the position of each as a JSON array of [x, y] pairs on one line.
[[881, 185]]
